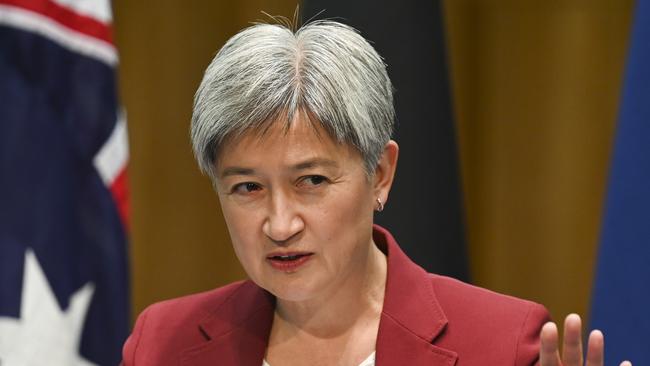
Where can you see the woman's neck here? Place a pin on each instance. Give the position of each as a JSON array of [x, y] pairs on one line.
[[356, 303]]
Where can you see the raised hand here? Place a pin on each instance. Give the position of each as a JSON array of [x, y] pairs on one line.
[[572, 354]]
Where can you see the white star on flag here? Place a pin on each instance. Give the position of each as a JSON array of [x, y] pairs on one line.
[[44, 334]]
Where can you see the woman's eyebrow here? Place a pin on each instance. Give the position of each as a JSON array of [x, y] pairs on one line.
[[311, 163], [307, 164], [236, 170]]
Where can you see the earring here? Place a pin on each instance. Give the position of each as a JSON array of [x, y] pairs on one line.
[[380, 206]]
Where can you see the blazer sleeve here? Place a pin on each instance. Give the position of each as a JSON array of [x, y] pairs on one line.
[[131, 345], [529, 341]]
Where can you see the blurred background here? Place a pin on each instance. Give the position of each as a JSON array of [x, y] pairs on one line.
[[534, 88]]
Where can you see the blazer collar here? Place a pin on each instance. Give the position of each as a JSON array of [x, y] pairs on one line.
[[237, 331], [411, 317]]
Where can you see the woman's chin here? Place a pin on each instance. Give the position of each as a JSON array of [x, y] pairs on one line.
[[292, 291]]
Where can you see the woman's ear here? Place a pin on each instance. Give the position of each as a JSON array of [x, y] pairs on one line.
[[385, 171]]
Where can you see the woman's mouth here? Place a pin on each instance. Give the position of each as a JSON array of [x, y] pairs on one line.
[[288, 262]]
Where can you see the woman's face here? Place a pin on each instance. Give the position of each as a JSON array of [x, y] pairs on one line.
[[299, 208]]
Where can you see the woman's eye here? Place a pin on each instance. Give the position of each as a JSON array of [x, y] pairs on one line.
[[314, 180], [245, 188]]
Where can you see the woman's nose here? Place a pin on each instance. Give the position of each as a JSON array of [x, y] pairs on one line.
[[283, 221]]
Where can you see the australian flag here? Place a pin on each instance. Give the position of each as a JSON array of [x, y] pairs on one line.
[[63, 211]]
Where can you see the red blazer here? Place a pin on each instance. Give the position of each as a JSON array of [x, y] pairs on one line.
[[426, 320]]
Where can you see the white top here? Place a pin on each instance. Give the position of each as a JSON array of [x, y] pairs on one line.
[[370, 361]]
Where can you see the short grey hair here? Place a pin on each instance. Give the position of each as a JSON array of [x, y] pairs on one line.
[[325, 70]]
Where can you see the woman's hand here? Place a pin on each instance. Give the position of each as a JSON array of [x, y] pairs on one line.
[[572, 354]]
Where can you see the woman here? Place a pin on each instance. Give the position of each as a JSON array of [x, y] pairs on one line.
[[294, 130]]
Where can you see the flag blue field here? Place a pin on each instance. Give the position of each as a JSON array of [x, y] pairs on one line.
[[621, 299], [63, 210]]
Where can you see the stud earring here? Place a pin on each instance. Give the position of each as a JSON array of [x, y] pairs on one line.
[[380, 205]]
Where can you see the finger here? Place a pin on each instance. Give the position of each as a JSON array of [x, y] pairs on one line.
[[595, 349], [548, 352], [572, 342], [626, 363]]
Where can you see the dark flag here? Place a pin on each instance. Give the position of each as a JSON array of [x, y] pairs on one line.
[[63, 154], [621, 297], [424, 210]]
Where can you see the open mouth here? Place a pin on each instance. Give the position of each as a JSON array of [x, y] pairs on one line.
[[287, 258], [288, 262]]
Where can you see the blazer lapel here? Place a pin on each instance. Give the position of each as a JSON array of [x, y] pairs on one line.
[[396, 345], [236, 332], [411, 318]]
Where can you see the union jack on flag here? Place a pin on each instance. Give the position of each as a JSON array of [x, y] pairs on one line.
[[63, 205]]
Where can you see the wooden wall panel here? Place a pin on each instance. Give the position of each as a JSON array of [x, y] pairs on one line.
[[536, 87]]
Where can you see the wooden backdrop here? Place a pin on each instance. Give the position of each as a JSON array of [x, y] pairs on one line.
[[536, 87]]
